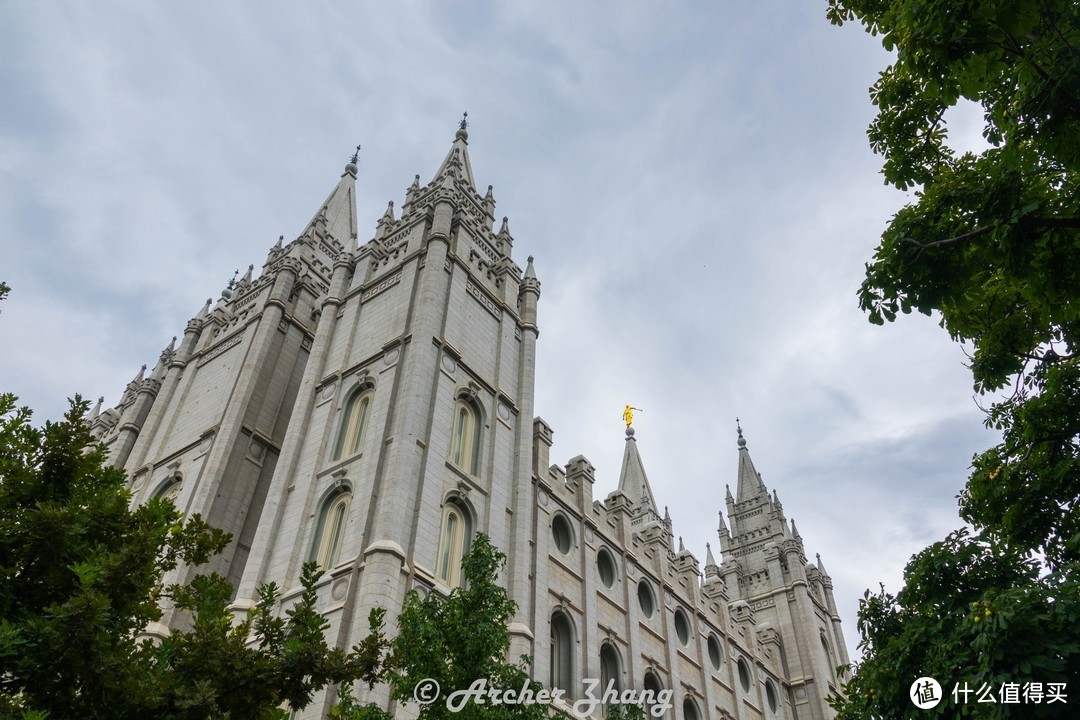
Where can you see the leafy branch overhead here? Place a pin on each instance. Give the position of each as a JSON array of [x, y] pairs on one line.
[[80, 579], [991, 243]]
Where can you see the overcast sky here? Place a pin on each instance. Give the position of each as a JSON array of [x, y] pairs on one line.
[[693, 179]]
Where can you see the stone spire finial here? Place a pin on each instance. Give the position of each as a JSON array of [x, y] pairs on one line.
[[682, 548], [463, 131], [723, 526], [530, 271], [247, 275], [741, 441], [96, 409], [205, 309], [228, 291]]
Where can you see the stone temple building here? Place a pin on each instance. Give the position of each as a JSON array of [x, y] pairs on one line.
[[370, 406]]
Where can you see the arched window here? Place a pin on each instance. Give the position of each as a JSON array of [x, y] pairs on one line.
[[332, 520], [610, 675], [453, 543], [828, 656], [171, 489], [689, 710], [354, 418], [465, 441], [651, 695], [562, 652]]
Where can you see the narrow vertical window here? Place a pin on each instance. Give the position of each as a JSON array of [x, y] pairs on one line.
[[353, 424], [332, 530], [609, 672], [452, 544], [562, 649], [465, 437]]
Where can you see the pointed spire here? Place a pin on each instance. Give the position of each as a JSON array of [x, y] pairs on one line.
[[723, 526], [682, 548], [749, 481], [205, 309], [795, 530], [633, 482], [667, 516], [530, 271], [247, 275], [709, 559], [388, 216], [338, 211], [820, 565], [139, 376], [727, 490], [456, 164], [489, 203], [96, 409], [280, 240], [172, 345]]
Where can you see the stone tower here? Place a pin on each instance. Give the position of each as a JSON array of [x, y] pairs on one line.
[[370, 407]]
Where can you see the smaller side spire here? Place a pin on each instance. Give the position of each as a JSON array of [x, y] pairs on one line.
[[96, 409]]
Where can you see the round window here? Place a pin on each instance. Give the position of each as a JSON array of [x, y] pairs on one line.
[[770, 696], [716, 653], [682, 627], [645, 598], [744, 675], [606, 565], [564, 537]]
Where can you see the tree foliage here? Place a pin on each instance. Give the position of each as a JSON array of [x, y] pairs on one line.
[[80, 579], [992, 244], [459, 639]]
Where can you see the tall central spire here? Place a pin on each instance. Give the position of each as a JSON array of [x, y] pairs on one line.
[[750, 485], [456, 164]]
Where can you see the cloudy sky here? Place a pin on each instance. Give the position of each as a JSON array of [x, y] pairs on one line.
[[693, 179]]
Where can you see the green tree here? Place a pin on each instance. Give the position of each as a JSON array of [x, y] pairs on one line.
[[991, 244], [456, 641], [80, 578]]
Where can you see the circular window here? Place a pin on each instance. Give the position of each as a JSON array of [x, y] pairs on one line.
[[564, 536], [770, 696], [716, 653], [645, 598], [606, 565], [682, 627], [744, 675], [689, 710]]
